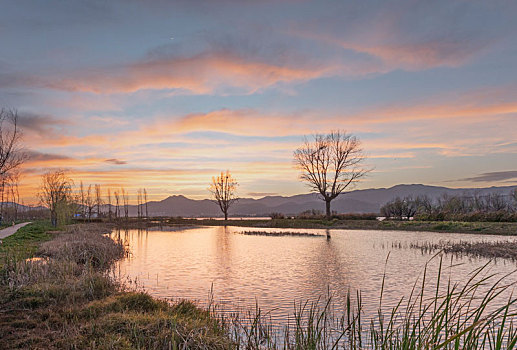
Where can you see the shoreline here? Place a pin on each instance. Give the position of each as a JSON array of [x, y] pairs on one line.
[[486, 228]]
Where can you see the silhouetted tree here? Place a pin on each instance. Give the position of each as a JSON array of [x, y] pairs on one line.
[[11, 152], [146, 207], [513, 196], [109, 204], [117, 203], [223, 189], [98, 200], [125, 199], [139, 204], [330, 163], [90, 202], [82, 200]]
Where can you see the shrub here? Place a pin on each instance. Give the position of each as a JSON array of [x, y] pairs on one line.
[[277, 216]]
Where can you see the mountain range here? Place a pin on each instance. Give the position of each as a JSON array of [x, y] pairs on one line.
[[358, 201]]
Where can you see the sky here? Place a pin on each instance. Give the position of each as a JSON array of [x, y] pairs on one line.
[[163, 95]]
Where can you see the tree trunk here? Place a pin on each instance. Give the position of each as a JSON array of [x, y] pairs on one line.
[[53, 219], [225, 216], [327, 205]]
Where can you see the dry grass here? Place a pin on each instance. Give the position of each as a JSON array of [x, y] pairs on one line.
[[280, 233], [84, 244], [486, 249]]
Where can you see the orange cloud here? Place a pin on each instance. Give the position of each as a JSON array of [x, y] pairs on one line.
[[202, 74]]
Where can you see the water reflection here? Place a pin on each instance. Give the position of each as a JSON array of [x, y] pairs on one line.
[[275, 271]]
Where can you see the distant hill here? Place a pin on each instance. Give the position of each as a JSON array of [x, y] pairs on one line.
[[359, 201]]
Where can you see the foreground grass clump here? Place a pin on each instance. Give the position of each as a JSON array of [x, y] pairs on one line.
[[89, 247], [68, 300]]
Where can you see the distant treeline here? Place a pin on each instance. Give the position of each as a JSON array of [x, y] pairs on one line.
[[494, 207], [313, 214]]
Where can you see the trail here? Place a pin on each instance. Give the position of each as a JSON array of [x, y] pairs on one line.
[[6, 232]]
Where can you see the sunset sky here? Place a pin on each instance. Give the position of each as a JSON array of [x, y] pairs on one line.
[[164, 95]]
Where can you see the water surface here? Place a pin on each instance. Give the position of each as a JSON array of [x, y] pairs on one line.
[[276, 271]]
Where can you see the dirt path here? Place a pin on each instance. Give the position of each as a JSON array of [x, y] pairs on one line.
[[11, 230]]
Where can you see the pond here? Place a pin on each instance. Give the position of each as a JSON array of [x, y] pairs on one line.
[[242, 269]]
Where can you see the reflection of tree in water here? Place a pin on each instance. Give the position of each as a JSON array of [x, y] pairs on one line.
[[333, 270], [223, 255]]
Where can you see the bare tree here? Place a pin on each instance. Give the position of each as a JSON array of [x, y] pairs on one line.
[[90, 202], [98, 200], [146, 207], [513, 196], [16, 195], [139, 204], [330, 163], [117, 203], [82, 199], [109, 204], [56, 194], [11, 152], [125, 200], [223, 189]]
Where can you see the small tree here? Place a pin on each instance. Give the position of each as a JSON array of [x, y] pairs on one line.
[[56, 194], [125, 200], [82, 200], [98, 200], [90, 202], [117, 203], [223, 189], [11, 151], [146, 207], [330, 163], [109, 204], [513, 196]]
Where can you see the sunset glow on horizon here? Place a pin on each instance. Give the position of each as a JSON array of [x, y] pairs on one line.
[[164, 95]]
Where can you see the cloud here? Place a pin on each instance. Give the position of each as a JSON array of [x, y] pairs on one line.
[[115, 161], [35, 156], [204, 73], [40, 123], [493, 176], [410, 35]]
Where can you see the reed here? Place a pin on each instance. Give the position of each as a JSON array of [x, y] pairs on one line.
[[436, 315], [280, 233], [487, 249]]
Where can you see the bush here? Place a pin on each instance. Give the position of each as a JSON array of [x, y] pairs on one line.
[[356, 216], [478, 216], [311, 214], [277, 216]]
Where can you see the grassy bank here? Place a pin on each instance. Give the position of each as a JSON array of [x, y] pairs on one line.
[[492, 228], [67, 299], [25, 242]]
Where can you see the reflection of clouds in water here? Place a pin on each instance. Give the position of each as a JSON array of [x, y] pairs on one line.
[[276, 271]]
